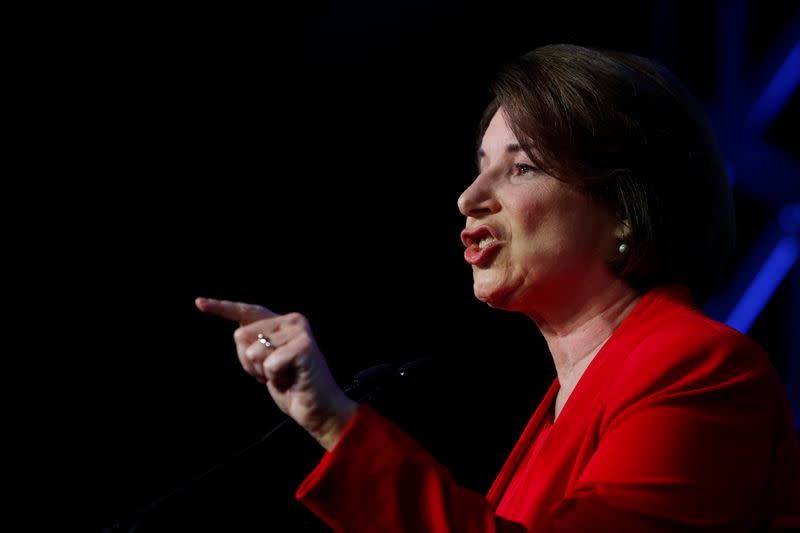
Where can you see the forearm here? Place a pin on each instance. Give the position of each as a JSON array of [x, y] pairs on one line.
[[379, 479]]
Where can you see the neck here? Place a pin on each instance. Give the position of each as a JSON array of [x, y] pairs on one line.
[[579, 326]]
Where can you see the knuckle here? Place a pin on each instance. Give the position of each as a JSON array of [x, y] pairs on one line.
[[244, 361], [252, 353], [269, 366], [254, 369], [296, 318], [305, 339], [276, 363], [240, 335]]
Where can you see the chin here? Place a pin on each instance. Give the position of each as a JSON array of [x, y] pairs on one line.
[[493, 297]]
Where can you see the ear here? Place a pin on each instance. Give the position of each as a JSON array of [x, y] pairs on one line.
[[623, 230]]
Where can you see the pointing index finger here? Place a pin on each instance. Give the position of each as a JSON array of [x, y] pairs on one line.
[[238, 311]]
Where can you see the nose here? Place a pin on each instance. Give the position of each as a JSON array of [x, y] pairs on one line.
[[478, 200]]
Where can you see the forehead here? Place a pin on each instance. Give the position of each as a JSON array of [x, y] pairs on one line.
[[498, 131], [498, 138]]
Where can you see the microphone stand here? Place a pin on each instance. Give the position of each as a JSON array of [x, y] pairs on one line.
[[371, 378]]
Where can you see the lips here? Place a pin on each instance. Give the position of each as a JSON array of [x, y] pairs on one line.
[[474, 254], [474, 235]]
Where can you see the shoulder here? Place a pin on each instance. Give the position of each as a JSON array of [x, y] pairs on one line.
[[689, 335], [671, 347], [668, 323]]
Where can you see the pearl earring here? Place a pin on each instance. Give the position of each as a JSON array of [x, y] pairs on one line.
[[623, 248]]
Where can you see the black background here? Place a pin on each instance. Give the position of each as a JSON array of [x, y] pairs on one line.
[[308, 159]]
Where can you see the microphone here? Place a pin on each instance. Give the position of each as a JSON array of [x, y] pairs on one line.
[[375, 377], [414, 369], [363, 385]]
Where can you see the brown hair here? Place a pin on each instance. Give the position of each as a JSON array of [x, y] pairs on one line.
[[629, 133]]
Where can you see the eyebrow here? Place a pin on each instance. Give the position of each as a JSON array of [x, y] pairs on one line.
[[510, 149]]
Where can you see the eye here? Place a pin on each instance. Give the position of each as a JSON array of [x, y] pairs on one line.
[[522, 168]]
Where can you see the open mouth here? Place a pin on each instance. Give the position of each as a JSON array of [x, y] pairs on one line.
[[480, 243]]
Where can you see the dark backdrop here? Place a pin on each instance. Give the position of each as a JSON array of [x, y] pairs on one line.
[[308, 159]]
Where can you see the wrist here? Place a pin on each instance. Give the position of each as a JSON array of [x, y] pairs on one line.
[[332, 430]]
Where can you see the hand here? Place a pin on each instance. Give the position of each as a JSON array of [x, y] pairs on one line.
[[294, 370]]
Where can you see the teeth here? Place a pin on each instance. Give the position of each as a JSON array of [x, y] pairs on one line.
[[486, 241]]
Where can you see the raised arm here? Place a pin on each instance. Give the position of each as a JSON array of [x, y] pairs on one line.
[[374, 477]]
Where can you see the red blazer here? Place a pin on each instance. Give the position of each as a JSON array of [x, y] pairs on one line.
[[679, 423]]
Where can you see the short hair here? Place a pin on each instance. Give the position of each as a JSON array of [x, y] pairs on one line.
[[629, 133]]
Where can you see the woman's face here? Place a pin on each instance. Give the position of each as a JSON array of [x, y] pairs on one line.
[[530, 238]]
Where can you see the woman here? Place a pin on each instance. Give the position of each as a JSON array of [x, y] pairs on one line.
[[601, 210]]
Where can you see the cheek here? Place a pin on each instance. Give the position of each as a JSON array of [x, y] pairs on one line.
[[528, 216], [541, 227], [590, 232], [558, 229]]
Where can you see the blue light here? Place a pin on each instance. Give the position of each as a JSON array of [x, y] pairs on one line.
[[789, 218], [779, 90], [775, 268], [731, 174]]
